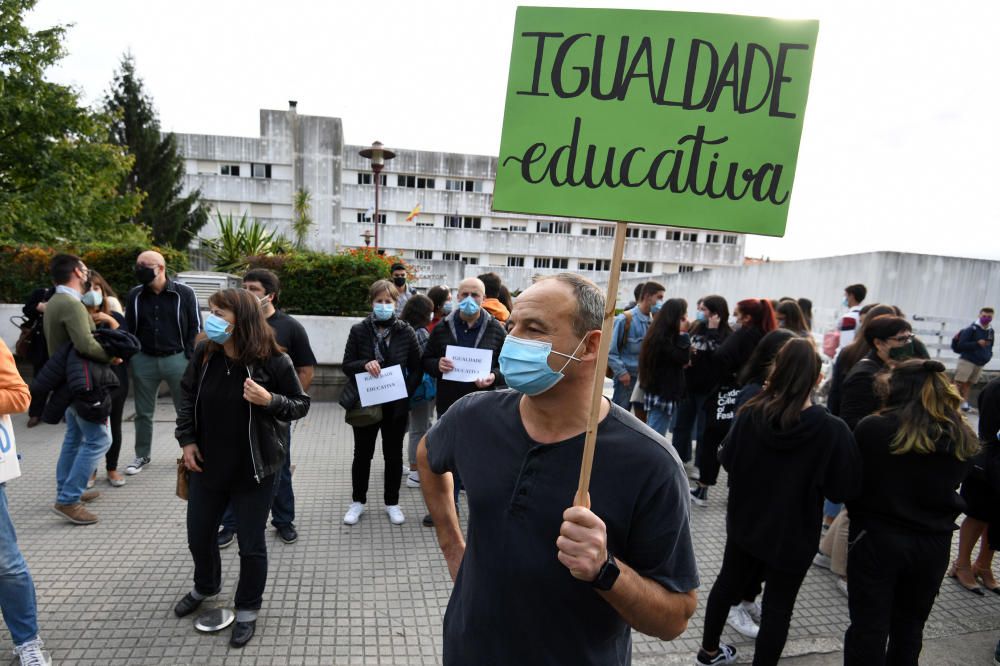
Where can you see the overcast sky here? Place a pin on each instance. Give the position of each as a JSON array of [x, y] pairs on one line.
[[899, 150]]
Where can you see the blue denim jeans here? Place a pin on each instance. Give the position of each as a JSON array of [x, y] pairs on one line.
[[17, 591], [623, 394], [84, 445], [659, 418], [283, 499]]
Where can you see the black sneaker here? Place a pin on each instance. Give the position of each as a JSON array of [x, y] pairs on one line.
[[428, 521], [699, 495], [226, 537], [287, 533], [725, 655]]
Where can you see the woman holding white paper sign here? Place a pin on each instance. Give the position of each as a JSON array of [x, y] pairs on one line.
[[380, 341]]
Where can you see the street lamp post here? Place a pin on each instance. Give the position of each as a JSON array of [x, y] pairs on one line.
[[378, 156]]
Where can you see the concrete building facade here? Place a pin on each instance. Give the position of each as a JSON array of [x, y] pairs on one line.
[[455, 234]]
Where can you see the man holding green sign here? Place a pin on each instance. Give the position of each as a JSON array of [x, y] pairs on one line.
[[690, 120]]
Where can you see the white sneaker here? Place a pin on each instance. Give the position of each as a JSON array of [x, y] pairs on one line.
[[396, 516], [31, 653], [740, 620], [821, 560], [136, 465], [754, 609], [413, 480], [354, 513]]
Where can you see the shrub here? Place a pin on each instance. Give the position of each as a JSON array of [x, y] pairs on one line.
[[26, 267], [315, 283]]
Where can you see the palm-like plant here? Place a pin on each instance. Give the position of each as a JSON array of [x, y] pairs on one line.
[[240, 239], [302, 222]]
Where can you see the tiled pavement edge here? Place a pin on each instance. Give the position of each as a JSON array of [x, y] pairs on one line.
[[369, 594]]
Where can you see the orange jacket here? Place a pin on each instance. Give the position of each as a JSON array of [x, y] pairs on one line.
[[14, 394], [497, 309]]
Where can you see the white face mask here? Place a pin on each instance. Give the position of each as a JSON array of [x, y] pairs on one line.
[[734, 323]]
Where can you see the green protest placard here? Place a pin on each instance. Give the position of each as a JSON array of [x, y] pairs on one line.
[[672, 118]]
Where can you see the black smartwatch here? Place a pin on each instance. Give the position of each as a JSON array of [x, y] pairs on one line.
[[608, 574]]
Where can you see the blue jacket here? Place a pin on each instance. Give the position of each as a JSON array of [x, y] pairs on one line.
[[969, 347], [627, 360]]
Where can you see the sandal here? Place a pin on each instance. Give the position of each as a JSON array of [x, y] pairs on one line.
[[964, 576], [985, 576]]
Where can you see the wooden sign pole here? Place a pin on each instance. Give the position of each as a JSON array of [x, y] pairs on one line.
[[582, 493]]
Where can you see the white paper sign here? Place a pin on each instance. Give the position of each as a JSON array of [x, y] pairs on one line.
[[10, 468], [388, 386], [470, 363]]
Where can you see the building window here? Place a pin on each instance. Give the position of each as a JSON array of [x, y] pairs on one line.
[[463, 222], [363, 217], [647, 233], [518, 228], [644, 267], [729, 240], [230, 169], [366, 179], [515, 261], [425, 224], [631, 232], [418, 182], [553, 227], [689, 237], [260, 170], [423, 254], [543, 262], [560, 262], [463, 185], [588, 231], [685, 269], [711, 238], [673, 235], [450, 256], [605, 231], [472, 261], [602, 264], [584, 265]]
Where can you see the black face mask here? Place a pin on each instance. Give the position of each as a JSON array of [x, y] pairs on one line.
[[145, 274], [399, 281]]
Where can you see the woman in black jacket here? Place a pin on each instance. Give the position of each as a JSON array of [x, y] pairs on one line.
[[915, 452], [772, 526], [665, 352], [710, 329], [752, 319], [239, 392], [380, 341]]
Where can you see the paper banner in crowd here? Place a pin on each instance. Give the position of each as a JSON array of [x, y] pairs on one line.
[[10, 468], [388, 386], [470, 364]]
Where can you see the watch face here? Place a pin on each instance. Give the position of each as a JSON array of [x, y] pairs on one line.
[[608, 574]]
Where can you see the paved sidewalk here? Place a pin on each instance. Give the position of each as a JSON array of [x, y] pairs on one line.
[[369, 594]]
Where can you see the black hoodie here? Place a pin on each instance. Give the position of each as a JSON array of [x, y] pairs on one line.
[[778, 479]]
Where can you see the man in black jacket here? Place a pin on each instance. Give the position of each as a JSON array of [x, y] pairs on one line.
[[164, 315], [468, 326]]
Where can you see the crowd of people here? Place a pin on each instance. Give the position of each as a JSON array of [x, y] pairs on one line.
[[856, 469]]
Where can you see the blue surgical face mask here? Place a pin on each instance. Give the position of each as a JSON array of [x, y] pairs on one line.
[[383, 311], [448, 307], [845, 302], [93, 299], [525, 364], [656, 307], [216, 329], [468, 306], [700, 316]]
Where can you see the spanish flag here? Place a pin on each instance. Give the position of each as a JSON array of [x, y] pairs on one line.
[[413, 213]]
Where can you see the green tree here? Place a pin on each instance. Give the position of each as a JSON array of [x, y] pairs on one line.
[[302, 222], [59, 176], [158, 171]]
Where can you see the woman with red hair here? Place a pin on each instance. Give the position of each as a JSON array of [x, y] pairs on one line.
[[752, 319]]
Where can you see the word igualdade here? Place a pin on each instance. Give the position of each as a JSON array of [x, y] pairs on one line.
[[668, 169]]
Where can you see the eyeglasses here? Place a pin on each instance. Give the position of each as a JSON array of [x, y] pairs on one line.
[[902, 338]]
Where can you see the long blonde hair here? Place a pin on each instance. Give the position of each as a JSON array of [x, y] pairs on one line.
[[927, 405]]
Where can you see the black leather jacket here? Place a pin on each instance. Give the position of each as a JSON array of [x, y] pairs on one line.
[[267, 445]]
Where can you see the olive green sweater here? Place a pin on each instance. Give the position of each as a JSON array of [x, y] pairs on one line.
[[67, 320]]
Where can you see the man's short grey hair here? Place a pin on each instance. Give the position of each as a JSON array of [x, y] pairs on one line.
[[589, 301]]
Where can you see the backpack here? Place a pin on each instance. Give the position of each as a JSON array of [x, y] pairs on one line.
[[609, 373], [954, 342], [426, 391]]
